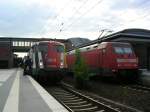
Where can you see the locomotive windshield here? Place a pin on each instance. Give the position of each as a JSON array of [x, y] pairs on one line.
[[128, 50], [43, 47], [123, 50], [60, 48]]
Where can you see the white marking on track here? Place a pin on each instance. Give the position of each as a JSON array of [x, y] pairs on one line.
[[52, 103], [12, 102]]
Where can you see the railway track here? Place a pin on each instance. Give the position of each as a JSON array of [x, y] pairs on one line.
[[139, 88], [77, 102]]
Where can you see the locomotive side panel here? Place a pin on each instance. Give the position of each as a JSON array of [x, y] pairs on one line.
[[106, 60], [92, 59], [70, 61]]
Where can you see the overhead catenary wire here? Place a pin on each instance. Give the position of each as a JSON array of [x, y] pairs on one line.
[[81, 6], [62, 10], [87, 11], [77, 19], [141, 6], [144, 16], [123, 24], [55, 18], [76, 11], [132, 20], [143, 9]]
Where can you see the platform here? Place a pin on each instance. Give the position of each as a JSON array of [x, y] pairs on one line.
[[20, 93]]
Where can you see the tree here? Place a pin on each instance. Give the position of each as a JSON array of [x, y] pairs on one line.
[[80, 71]]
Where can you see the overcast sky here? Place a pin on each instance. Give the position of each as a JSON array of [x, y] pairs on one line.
[[71, 18]]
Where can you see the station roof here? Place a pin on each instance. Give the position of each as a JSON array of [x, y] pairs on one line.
[[29, 39], [23, 44], [136, 33], [132, 35], [143, 32]]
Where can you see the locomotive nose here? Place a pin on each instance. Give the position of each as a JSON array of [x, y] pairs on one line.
[[127, 63], [62, 60]]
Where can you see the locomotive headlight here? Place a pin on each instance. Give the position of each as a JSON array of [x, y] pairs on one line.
[[61, 64], [41, 64]]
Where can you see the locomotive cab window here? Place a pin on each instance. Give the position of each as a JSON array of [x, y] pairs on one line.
[[123, 50], [118, 50], [43, 47], [128, 50], [59, 48]]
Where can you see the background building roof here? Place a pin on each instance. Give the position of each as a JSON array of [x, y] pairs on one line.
[[77, 41]]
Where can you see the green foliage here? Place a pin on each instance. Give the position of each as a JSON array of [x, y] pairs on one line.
[[80, 67]]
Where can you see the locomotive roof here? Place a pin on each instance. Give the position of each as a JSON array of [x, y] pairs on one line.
[[97, 45], [133, 32], [125, 43]]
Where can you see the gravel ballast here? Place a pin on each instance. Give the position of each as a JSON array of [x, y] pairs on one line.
[[117, 92]]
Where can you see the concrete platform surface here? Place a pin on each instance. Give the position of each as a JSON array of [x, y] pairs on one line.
[[20, 93]]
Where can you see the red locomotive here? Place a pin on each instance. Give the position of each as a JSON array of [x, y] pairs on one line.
[[48, 60], [115, 59]]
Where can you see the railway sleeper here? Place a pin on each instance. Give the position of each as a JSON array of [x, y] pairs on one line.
[[79, 103], [82, 106], [79, 106], [71, 98], [62, 91], [75, 103], [90, 109], [64, 94], [68, 96], [77, 100], [100, 111]]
